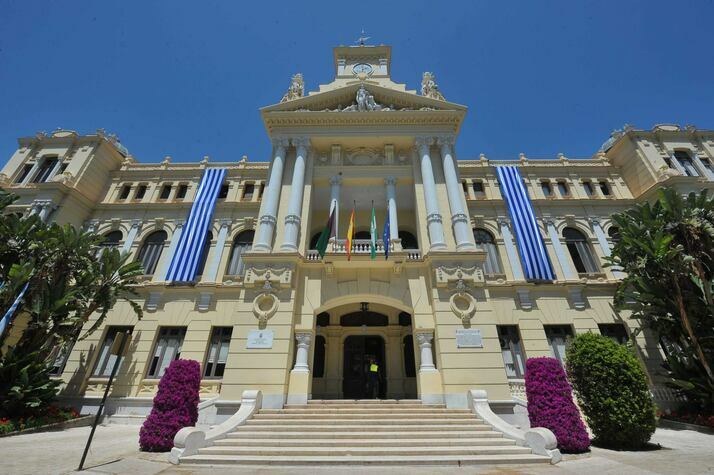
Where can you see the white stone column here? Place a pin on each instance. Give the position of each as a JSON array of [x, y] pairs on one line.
[[459, 219], [563, 259], [511, 251], [604, 245], [212, 271], [292, 220], [161, 275], [129, 241], [266, 225], [427, 359], [303, 339], [391, 184], [702, 169], [433, 217], [43, 208], [335, 185]]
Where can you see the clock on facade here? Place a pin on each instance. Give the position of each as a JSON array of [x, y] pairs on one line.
[[362, 68]]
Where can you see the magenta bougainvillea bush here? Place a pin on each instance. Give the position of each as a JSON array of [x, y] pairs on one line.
[[550, 404], [175, 406]]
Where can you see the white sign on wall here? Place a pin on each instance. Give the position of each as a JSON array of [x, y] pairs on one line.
[[260, 339], [468, 338]]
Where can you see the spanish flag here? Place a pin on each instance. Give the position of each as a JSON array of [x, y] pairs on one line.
[[350, 233]]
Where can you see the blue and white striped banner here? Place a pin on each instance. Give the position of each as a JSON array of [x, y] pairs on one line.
[[534, 256], [187, 255], [7, 318]]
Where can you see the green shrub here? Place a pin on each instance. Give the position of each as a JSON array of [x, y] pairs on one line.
[[612, 391], [26, 388]]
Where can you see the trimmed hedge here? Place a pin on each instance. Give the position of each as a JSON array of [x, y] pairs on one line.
[[550, 404], [175, 406], [612, 391]]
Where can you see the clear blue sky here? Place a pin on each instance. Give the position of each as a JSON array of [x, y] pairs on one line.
[[186, 79]]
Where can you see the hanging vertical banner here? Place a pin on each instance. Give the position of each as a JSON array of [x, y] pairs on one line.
[[7, 318], [187, 255], [531, 247]]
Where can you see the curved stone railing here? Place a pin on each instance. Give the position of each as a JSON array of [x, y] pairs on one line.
[[189, 439], [540, 440]]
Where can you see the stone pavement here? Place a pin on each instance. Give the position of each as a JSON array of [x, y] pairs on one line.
[[115, 451]]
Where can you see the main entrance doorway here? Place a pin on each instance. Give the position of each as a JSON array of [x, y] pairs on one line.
[[358, 349]]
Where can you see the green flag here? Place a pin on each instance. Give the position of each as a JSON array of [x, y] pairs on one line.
[[326, 234], [373, 235]]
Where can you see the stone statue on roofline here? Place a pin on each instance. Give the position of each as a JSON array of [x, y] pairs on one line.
[[429, 88], [296, 89]]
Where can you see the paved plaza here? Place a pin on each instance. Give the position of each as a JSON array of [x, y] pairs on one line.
[[115, 451]]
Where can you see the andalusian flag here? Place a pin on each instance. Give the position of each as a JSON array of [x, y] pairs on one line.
[[327, 233], [350, 233], [373, 235]]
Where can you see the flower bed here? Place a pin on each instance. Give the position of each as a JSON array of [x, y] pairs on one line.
[[704, 420], [51, 415]]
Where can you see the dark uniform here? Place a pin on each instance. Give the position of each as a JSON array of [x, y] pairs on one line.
[[372, 379]]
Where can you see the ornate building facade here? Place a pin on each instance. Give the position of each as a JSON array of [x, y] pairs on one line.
[[459, 303]]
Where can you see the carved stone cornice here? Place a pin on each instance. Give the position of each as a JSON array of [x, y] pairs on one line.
[[423, 141]]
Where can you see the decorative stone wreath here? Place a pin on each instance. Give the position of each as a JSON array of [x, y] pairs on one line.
[[463, 305], [264, 307]]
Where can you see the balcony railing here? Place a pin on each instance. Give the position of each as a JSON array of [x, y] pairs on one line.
[[362, 247]]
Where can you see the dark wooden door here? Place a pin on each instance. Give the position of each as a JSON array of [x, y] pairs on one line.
[[358, 350]]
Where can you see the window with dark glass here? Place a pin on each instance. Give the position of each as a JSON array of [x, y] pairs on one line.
[[165, 192], [105, 361], [323, 320], [112, 239], [409, 358], [23, 174], [181, 192], [46, 168], [223, 192], [408, 240], [479, 190], [604, 188], [484, 240], [204, 253], [63, 167], [558, 337], [58, 358], [547, 189], [563, 189], [465, 187], [318, 362], [261, 190], [248, 191], [615, 331], [218, 352], [140, 192], [151, 251], [614, 233], [706, 163], [580, 251], [241, 244], [685, 160], [124, 192], [588, 187], [167, 349], [512, 351]]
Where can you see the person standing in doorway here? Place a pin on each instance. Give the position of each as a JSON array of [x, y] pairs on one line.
[[372, 378]]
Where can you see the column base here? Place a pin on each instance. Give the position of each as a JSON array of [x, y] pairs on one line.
[[260, 247], [430, 386], [439, 246], [299, 385], [288, 248], [466, 246]]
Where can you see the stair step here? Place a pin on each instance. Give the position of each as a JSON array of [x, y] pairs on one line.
[[312, 402], [366, 428], [245, 433], [364, 451], [364, 460], [370, 410], [363, 406], [366, 416], [369, 441], [364, 421]]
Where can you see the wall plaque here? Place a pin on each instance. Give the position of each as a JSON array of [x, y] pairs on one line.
[[260, 339], [468, 338]]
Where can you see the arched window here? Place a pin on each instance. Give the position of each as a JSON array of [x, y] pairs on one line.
[[580, 251], [614, 233], [408, 240], [204, 254], [363, 235], [484, 240], [151, 251], [409, 359], [313, 241], [112, 239], [241, 244]]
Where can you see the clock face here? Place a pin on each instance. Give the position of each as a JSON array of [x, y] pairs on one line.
[[361, 68]]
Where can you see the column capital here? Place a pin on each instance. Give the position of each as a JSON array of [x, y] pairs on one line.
[[280, 142], [424, 337], [303, 142], [423, 141], [303, 338], [503, 221], [136, 224], [225, 223], [595, 221], [336, 180], [446, 141], [91, 225], [390, 181], [548, 220]]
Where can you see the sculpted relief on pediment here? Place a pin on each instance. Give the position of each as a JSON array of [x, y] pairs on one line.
[[364, 101]]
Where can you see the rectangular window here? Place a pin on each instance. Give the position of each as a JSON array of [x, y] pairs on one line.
[[58, 358], [615, 331], [512, 351], [43, 174], [558, 339], [260, 191], [604, 188], [465, 187], [563, 189], [479, 190], [181, 192], [140, 192], [547, 189], [167, 349], [63, 167], [124, 193], [105, 361], [248, 191], [223, 193], [588, 187], [218, 352], [165, 192], [706, 163], [23, 174], [686, 161]]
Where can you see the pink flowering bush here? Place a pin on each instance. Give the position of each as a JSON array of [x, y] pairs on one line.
[[175, 406], [550, 404]]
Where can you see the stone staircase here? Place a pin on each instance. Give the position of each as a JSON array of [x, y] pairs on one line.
[[386, 432]]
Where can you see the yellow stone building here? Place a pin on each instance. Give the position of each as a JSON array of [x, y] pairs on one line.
[[454, 307]]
